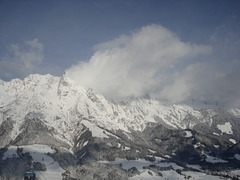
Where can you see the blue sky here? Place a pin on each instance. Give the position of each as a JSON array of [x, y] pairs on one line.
[[60, 35]]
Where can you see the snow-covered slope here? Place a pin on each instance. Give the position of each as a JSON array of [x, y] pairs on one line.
[[62, 105], [85, 129], [39, 154]]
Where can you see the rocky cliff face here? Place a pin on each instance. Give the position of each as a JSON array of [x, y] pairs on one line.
[[84, 127]]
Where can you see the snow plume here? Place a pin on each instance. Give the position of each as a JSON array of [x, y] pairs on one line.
[[152, 61], [22, 59]]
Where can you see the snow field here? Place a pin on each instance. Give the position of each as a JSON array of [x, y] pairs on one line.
[[147, 174], [38, 153], [233, 141], [96, 131], [212, 159], [188, 133], [237, 156], [225, 128], [173, 175]]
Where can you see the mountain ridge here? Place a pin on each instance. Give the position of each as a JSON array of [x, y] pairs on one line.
[[53, 98], [85, 126]]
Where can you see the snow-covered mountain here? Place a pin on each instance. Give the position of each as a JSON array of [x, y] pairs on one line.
[[55, 111]]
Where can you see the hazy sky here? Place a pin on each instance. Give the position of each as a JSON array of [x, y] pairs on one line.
[[175, 50]]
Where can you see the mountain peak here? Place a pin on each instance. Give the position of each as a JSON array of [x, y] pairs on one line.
[[62, 97], [83, 125]]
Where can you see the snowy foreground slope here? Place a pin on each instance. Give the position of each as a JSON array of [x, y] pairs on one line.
[[38, 153], [85, 134]]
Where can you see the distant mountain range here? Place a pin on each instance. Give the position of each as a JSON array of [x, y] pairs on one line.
[[92, 135]]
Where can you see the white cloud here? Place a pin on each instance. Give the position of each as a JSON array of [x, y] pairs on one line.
[[22, 59], [217, 81], [150, 61], [212, 82]]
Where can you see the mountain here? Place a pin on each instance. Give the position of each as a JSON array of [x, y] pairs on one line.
[[94, 138]]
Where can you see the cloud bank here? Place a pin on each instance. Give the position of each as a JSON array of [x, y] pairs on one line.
[[155, 62]]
